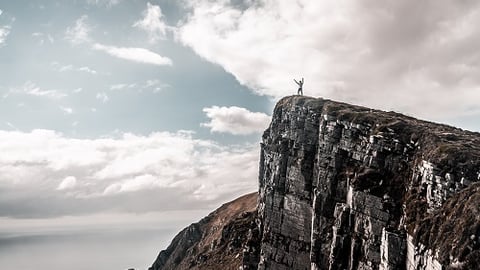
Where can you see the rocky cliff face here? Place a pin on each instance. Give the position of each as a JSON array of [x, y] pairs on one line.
[[347, 187]]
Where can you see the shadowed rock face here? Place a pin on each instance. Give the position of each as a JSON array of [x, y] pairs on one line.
[[347, 187]]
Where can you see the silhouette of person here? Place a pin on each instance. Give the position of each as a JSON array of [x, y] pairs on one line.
[[300, 86]]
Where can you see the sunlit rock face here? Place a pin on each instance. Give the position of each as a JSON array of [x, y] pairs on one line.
[[218, 241], [347, 187]]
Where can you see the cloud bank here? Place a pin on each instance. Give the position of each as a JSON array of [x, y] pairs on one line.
[[415, 57], [43, 173]]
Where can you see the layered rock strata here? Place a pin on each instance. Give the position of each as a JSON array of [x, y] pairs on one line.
[[347, 187]]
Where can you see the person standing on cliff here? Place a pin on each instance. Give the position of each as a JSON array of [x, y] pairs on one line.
[[300, 87]]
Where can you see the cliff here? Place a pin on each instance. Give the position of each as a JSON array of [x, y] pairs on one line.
[[347, 187]]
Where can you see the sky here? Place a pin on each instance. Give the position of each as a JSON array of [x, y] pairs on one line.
[[126, 118]]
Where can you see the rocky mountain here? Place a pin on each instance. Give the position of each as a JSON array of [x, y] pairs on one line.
[[347, 187], [215, 242]]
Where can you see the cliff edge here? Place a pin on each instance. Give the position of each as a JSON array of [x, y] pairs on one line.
[[348, 187]]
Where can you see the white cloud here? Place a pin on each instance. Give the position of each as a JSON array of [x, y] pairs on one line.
[[69, 67], [46, 148], [42, 162], [79, 33], [66, 110], [416, 58], [6, 28], [4, 31], [120, 86], [42, 38], [102, 97], [140, 55], [88, 70], [65, 68], [68, 183], [153, 85], [137, 183], [107, 3], [153, 23], [150, 83], [235, 120], [32, 89]]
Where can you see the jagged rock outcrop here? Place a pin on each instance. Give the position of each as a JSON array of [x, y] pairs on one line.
[[347, 187], [216, 241]]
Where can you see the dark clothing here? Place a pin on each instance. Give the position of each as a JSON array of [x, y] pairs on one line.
[[300, 86]]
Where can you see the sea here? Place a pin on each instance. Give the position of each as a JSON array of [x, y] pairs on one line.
[[83, 250]]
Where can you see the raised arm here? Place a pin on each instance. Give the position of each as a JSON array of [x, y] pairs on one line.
[[296, 82]]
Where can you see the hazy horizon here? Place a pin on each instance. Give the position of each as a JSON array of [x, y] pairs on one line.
[[84, 250]]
